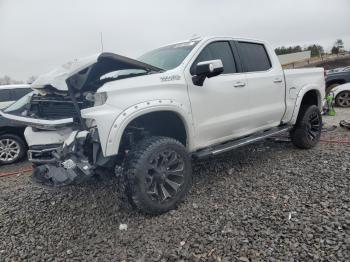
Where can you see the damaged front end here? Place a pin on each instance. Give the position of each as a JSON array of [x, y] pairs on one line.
[[75, 161], [64, 146]]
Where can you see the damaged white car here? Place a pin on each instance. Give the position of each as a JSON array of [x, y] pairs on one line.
[[145, 119]]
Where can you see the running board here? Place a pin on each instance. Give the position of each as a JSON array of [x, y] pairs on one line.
[[222, 148]]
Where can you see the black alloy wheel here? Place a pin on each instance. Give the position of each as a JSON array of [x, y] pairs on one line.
[[157, 174]]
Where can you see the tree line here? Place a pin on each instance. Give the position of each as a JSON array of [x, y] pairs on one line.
[[316, 49], [7, 80]]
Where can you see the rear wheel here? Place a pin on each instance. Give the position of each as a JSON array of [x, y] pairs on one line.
[[158, 175], [343, 99], [12, 149], [307, 131]]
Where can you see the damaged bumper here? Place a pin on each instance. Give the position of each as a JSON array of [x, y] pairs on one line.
[[42, 154], [42, 143], [68, 98], [72, 162]]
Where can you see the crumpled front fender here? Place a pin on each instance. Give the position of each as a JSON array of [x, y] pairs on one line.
[[122, 121]]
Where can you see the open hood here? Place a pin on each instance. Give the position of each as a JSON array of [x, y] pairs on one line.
[[84, 74]]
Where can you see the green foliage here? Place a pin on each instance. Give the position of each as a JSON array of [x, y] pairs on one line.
[[316, 50], [338, 47], [339, 43], [335, 50], [287, 50]]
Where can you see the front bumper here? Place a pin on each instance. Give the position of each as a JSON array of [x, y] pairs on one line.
[[42, 154], [42, 143], [75, 160]]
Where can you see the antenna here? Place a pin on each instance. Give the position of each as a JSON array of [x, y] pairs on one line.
[[194, 37], [101, 42]]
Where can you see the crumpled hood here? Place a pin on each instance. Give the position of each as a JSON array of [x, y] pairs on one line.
[[80, 73]]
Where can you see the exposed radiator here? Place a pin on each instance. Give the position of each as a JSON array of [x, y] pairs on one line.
[[53, 107]]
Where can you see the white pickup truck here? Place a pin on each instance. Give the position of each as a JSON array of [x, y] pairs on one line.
[[146, 119]]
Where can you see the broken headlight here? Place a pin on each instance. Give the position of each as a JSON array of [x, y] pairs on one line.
[[100, 98]]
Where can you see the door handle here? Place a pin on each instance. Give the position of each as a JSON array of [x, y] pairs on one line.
[[277, 80], [239, 84]]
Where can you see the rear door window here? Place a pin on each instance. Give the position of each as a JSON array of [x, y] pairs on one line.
[[217, 50], [5, 95], [19, 92], [253, 57]]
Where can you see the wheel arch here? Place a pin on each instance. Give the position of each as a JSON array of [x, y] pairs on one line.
[[12, 130], [308, 95], [145, 109], [339, 81]]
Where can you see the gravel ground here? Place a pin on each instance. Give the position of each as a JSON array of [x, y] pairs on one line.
[[265, 202]]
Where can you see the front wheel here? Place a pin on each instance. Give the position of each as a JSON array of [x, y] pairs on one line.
[[12, 148], [158, 174], [343, 99], [307, 130]]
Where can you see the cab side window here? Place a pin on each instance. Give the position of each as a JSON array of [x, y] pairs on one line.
[[253, 57], [217, 50]]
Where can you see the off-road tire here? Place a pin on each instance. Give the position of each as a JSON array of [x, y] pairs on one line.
[[137, 176], [307, 131], [21, 145]]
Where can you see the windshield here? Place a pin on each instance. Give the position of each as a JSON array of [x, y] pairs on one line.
[[168, 57]]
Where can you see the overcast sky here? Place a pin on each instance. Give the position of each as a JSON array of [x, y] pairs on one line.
[[37, 35]]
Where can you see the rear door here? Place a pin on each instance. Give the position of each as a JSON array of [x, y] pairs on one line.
[[265, 82]]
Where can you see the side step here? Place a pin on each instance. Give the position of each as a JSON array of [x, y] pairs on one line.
[[222, 148]]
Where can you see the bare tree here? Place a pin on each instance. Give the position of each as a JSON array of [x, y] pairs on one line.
[[7, 80]]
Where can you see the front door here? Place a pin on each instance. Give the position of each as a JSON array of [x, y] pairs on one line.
[[220, 107]]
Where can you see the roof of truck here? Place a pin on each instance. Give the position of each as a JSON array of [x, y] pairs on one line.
[[203, 38]]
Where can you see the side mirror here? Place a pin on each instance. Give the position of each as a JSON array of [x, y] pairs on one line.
[[207, 69]]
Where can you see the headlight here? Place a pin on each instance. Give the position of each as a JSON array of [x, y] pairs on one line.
[[100, 98]]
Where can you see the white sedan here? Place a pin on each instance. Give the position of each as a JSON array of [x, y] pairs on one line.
[[342, 95]]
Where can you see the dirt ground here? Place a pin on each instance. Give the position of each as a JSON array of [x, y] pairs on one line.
[[264, 202]]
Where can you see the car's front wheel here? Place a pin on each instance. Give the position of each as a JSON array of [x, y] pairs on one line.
[[343, 99], [12, 148], [158, 174]]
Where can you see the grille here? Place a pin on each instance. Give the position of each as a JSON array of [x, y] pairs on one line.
[[53, 107]]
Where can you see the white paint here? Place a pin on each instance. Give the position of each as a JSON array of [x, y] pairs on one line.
[[218, 111], [340, 88], [46, 137], [59, 75]]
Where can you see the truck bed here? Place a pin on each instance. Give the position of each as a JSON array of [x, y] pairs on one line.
[[296, 80]]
